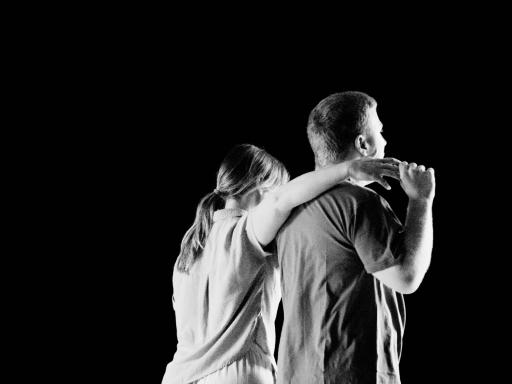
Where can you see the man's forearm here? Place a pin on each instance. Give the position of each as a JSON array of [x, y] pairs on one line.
[[419, 237]]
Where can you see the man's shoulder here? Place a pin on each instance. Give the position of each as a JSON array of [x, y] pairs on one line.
[[345, 197], [347, 191]]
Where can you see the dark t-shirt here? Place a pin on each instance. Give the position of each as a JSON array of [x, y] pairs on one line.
[[341, 325]]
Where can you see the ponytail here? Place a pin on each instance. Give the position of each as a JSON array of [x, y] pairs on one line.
[[194, 240], [244, 168]]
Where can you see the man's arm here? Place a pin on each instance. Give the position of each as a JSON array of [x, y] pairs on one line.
[[419, 185]]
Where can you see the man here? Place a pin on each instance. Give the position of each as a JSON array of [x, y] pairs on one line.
[[346, 259]]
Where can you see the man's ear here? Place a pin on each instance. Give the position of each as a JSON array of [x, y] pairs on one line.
[[361, 145]]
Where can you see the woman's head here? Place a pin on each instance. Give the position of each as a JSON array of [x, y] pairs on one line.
[[245, 169]]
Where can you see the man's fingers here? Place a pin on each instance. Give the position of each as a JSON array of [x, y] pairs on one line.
[[402, 168]]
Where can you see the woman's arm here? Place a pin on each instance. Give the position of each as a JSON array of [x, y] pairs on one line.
[[275, 208]]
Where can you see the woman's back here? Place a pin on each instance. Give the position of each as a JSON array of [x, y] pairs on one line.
[[227, 303]]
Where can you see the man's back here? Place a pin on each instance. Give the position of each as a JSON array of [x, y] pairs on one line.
[[341, 325]]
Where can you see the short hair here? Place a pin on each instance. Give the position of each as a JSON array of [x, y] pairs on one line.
[[334, 124]]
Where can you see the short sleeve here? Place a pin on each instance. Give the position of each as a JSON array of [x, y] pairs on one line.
[[376, 233], [253, 241]]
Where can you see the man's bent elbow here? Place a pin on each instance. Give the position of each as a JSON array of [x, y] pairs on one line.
[[404, 279], [411, 282]]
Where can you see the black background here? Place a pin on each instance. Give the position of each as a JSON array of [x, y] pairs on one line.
[[147, 122]]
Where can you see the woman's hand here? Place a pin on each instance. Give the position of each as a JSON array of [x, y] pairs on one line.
[[371, 169]]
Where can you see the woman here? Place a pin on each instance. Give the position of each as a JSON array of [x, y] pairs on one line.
[[226, 279]]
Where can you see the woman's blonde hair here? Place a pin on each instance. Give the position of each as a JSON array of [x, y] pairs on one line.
[[245, 168]]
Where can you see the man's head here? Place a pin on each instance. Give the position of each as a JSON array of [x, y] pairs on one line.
[[344, 126]]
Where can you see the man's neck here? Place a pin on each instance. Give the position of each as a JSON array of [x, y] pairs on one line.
[[352, 156]]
